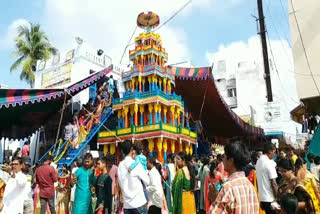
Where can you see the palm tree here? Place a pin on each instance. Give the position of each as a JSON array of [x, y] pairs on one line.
[[32, 44]]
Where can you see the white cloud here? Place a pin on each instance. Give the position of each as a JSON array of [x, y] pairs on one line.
[[7, 41], [225, 7], [109, 25], [236, 52]]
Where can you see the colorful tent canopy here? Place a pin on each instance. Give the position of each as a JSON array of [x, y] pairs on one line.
[[30, 108], [191, 73], [202, 98], [14, 97]]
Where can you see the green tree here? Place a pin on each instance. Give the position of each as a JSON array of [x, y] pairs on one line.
[[32, 44]]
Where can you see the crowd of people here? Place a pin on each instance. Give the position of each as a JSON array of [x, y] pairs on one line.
[[237, 181], [79, 118]]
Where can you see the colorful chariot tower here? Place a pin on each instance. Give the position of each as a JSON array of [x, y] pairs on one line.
[[150, 111]]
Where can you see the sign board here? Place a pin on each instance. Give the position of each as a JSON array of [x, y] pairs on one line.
[[56, 60], [272, 112], [57, 77]]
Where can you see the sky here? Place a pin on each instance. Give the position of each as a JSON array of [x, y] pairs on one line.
[[198, 33]]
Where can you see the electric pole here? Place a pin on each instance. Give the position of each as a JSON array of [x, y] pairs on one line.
[[264, 51]]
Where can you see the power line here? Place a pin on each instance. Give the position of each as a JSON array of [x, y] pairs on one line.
[[286, 21], [276, 68], [176, 13], [124, 51], [284, 49], [307, 75], [303, 46], [285, 36], [284, 11], [275, 65], [296, 102], [274, 62]]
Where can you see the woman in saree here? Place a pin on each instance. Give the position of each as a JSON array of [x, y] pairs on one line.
[[212, 185], [183, 186], [309, 181], [294, 186], [63, 196]]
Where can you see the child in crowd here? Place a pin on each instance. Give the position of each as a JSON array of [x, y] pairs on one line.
[[288, 203], [140, 158]]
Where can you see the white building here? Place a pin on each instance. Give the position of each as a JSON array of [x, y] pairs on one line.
[[3, 86], [69, 67], [242, 85]]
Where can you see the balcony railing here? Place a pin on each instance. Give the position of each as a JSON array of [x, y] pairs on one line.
[[148, 128], [147, 47], [147, 68], [142, 95]]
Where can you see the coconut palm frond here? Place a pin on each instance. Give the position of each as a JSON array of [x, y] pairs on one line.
[[16, 64], [32, 44]]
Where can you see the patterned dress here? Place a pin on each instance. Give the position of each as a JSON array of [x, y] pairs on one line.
[[63, 196], [183, 197], [211, 181], [297, 189]]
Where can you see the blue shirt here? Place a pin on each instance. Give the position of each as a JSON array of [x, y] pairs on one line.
[[139, 159], [111, 85]]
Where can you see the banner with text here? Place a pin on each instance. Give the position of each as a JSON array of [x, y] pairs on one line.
[[57, 77]]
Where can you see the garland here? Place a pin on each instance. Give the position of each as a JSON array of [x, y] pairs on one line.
[[83, 133]]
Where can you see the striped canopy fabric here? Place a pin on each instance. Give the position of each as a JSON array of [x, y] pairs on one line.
[[198, 89], [22, 111], [14, 97], [191, 73], [19, 97]]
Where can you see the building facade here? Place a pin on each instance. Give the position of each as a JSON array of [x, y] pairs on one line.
[[69, 67], [243, 87], [3, 86], [305, 36]]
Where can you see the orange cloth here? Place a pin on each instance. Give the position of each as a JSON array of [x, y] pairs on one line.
[[253, 179]]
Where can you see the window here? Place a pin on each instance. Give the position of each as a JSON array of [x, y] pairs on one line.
[[232, 92]]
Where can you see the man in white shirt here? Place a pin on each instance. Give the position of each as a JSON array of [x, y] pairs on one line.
[[68, 131], [154, 189], [266, 177], [131, 183], [13, 197]]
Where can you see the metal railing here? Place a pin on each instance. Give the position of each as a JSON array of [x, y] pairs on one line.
[[150, 128], [142, 95], [65, 141]]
